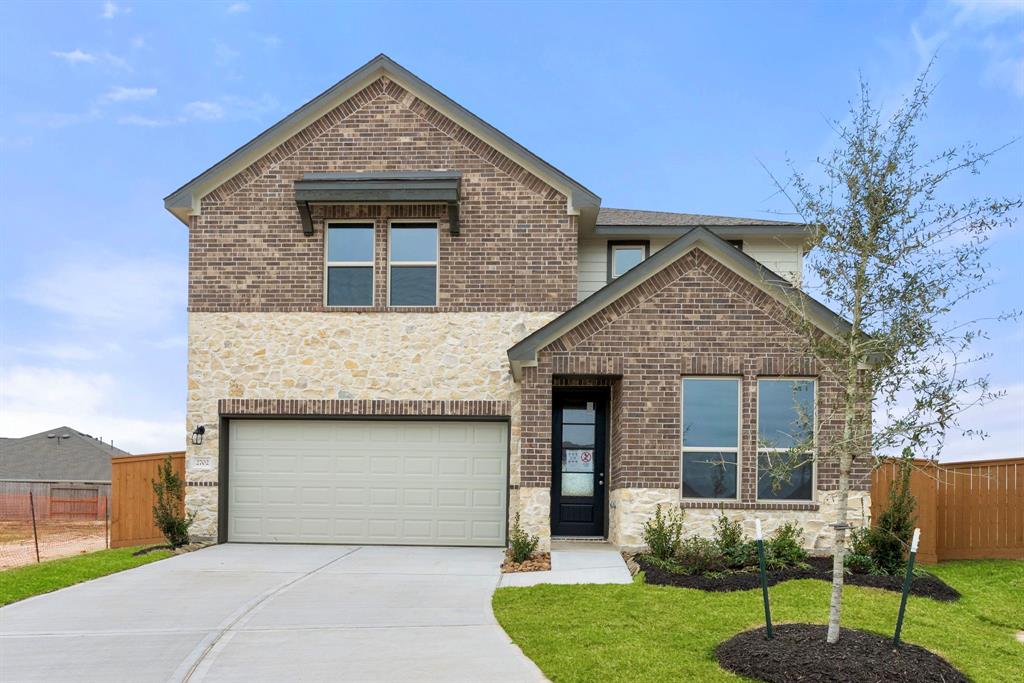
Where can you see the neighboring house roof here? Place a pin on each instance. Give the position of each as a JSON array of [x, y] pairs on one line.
[[635, 217], [185, 201], [526, 351], [79, 457]]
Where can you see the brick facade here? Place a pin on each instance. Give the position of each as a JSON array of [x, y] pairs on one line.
[[696, 317], [516, 251], [304, 407]]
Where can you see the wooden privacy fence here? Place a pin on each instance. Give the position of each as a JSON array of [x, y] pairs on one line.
[[966, 510], [132, 497]]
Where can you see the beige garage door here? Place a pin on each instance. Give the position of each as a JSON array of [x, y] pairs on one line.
[[338, 481]]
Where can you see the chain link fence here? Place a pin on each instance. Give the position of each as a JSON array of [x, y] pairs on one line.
[[35, 528]]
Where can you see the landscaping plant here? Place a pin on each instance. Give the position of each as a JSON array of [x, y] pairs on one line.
[[785, 547], [521, 544], [890, 537], [738, 551], [891, 254], [697, 555], [168, 513], [664, 532]]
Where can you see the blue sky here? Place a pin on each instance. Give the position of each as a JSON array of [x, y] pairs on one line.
[[109, 106]]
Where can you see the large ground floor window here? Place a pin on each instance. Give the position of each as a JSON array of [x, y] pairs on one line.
[[710, 437], [786, 432]]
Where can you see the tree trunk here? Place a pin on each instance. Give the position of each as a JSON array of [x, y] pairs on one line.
[[835, 607]]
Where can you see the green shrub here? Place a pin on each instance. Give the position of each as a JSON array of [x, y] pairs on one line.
[[170, 501], [664, 532], [785, 547], [860, 564], [737, 550], [890, 537], [700, 556], [858, 555], [521, 544]]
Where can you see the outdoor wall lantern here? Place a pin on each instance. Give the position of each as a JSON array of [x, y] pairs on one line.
[[197, 435]]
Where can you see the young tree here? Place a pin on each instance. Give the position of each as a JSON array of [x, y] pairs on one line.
[[168, 511], [893, 257]]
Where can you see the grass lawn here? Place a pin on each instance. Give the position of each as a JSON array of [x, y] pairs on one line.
[[659, 633], [34, 579]]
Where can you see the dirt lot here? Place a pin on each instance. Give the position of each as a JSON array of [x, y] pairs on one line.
[[57, 538]]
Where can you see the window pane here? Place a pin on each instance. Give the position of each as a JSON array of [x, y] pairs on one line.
[[350, 286], [624, 258], [414, 243], [577, 436], [350, 243], [709, 475], [785, 413], [413, 285], [578, 414], [795, 480], [709, 413], [577, 484]]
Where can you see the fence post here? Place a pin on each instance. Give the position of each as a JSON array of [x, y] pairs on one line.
[[106, 521], [35, 534]]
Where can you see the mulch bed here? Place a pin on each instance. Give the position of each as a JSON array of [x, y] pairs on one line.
[[539, 562], [820, 568], [177, 551], [798, 652]]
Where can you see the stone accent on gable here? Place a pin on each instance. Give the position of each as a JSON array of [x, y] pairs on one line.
[[516, 250], [345, 364]]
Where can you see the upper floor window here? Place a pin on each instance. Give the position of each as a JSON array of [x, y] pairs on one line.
[[710, 437], [413, 264], [785, 439], [625, 255], [349, 264]]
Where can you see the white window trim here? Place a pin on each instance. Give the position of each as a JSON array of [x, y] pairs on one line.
[[759, 450], [435, 263], [683, 449], [622, 247], [328, 264]]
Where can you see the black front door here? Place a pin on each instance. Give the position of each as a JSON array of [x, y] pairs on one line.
[[577, 464]]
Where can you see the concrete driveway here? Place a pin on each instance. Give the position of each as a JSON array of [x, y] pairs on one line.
[[253, 613]]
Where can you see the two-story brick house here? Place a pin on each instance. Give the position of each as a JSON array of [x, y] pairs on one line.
[[406, 328]]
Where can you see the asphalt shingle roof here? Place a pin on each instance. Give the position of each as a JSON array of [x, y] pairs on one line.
[[79, 457], [665, 219]]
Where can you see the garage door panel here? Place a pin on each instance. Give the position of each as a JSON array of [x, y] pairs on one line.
[[368, 482]]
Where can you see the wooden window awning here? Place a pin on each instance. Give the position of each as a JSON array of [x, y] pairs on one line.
[[388, 187]]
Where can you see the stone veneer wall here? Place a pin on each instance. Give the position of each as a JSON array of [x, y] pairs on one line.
[[630, 508], [358, 356]]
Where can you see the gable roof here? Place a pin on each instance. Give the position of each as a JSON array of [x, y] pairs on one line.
[[636, 217], [37, 457], [185, 201], [526, 351]]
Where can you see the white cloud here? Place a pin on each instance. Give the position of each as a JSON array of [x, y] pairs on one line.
[[986, 12], [1002, 420], [112, 9], [204, 111], [105, 290], [145, 121], [75, 56], [34, 399], [79, 56], [120, 93], [40, 388], [237, 8], [224, 54]]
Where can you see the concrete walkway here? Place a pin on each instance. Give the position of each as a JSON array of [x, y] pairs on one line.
[[258, 613], [576, 562]]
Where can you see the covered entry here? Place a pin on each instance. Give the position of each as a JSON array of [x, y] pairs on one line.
[[407, 482]]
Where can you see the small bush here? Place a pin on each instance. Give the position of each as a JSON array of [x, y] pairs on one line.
[[890, 537], [170, 501], [521, 544], [857, 563], [664, 533], [785, 547], [700, 556], [736, 549]]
